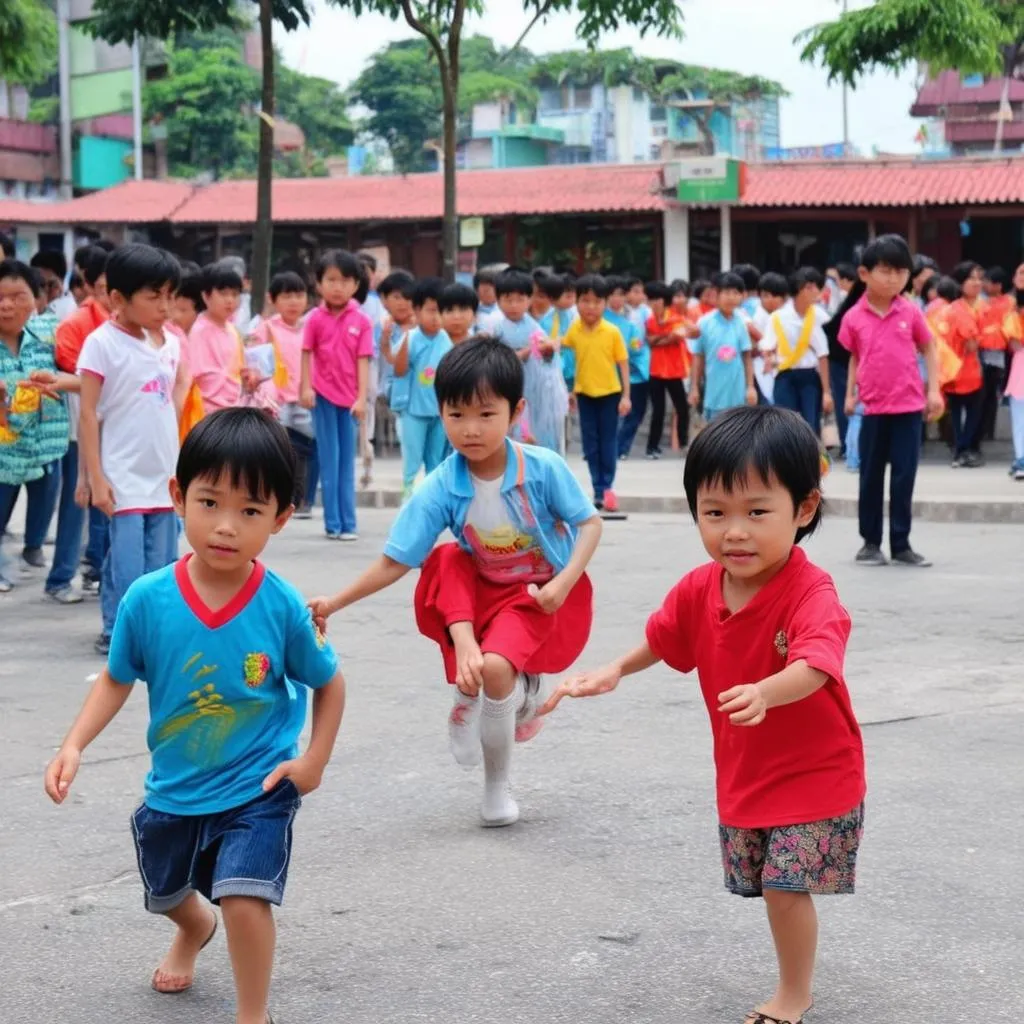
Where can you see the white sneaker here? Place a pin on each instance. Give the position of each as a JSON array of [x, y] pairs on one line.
[[65, 595], [527, 722], [464, 731], [349, 537], [498, 808]]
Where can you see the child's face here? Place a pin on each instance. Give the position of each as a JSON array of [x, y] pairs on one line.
[[971, 288], [335, 288], [846, 283], [750, 530], [399, 307], [657, 307], [148, 309], [591, 308], [477, 429], [222, 304], [290, 306], [993, 290], [514, 305], [486, 294], [100, 293], [729, 300], [636, 296], [617, 301], [226, 526], [884, 282], [458, 322], [810, 294], [709, 297], [183, 313], [540, 301], [568, 299], [17, 304], [680, 302], [428, 317], [771, 303]]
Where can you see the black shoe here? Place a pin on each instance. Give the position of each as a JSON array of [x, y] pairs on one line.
[[973, 460], [102, 645], [34, 557], [871, 554], [654, 455], [910, 557]]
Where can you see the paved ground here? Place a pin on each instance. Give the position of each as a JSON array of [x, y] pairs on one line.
[[604, 904]]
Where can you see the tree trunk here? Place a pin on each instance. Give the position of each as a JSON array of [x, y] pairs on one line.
[[263, 237], [450, 232], [707, 137], [1010, 57]]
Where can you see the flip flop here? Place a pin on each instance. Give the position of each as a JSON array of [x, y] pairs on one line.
[[176, 991]]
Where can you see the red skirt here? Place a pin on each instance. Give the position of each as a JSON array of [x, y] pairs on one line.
[[506, 620]]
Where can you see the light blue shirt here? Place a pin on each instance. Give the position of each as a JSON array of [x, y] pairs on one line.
[[722, 343], [636, 346], [516, 333], [399, 388], [556, 323], [224, 705], [542, 497], [425, 353], [374, 309]]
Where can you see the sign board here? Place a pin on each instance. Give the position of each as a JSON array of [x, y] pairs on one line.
[[708, 179], [471, 232]]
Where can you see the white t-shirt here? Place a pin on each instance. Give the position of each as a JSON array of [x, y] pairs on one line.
[[138, 422], [792, 324], [503, 552]]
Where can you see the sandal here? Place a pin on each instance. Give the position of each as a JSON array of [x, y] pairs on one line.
[[757, 1017], [175, 990]]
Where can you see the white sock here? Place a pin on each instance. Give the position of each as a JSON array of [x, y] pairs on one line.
[[497, 738], [464, 729]]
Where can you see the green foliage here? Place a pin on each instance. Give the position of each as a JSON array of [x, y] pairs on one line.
[[317, 106], [972, 36], [28, 41], [44, 110]]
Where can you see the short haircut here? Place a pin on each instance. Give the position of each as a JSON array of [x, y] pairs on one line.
[[398, 281], [191, 287], [7, 246], [50, 259], [846, 271], [427, 289], [130, 268], [482, 366], [657, 290], [948, 289], [930, 288], [804, 276], [772, 442], [773, 284], [632, 281], [962, 271], [235, 263], [730, 281], [514, 282], [593, 283], [551, 285], [679, 287], [105, 244], [246, 443], [700, 286], [750, 274], [570, 282], [368, 260], [75, 281], [617, 283], [999, 276], [891, 250], [486, 275], [220, 277], [349, 266], [12, 268], [94, 264], [922, 263], [80, 253], [458, 296], [286, 283]]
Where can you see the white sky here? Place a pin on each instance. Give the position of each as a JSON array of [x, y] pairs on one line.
[[751, 36]]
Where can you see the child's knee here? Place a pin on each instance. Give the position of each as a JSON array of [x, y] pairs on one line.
[[499, 676], [245, 908]]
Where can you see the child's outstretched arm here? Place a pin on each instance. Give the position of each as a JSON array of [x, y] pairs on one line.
[[104, 701], [750, 703], [553, 594], [381, 574], [602, 680]]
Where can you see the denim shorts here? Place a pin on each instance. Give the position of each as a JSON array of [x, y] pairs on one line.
[[240, 852]]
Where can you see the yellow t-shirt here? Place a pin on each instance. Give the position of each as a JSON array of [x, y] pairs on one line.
[[598, 351]]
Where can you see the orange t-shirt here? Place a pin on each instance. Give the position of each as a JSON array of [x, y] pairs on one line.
[[993, 317], [672, 361], [957, 325], [71, 334]]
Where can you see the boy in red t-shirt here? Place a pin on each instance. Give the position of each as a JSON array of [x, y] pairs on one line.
[[670, 366], [764, 629]]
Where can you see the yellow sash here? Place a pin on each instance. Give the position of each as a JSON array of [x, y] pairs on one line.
[[789, 357], [280, 377]]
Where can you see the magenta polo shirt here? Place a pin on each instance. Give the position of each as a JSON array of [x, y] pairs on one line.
[[338, 341], [886, 347]]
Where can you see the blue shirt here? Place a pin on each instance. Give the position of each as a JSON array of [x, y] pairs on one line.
[[555, 323], [636, 346], [516, 333], [544, 501], [425, 353], [224, 707], [722, 343], [374, 309], [399, 389]]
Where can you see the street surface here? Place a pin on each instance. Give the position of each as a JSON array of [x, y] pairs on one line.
[[604, 904]]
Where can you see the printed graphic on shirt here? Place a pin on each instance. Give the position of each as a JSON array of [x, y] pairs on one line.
[[426, 376], [726, 353], [636, 344], [160, 386], [782, 643], [256, 667]]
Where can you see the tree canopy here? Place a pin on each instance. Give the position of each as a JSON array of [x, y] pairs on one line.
[[28, 41]]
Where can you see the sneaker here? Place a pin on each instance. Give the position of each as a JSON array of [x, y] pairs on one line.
[[332, 536], [1018, 474], [611, 503], [911, 558], [6, 586], [65, 595], [599, 504], [33, 558], [102, 645], [654, 456], [464, 730], [90, 583], [303, 512], [527, 722], [870, 554], [349, 537], [498, 808], [974, 460]]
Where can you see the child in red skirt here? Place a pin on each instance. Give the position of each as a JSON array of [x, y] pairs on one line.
[[509, 600], [765, 631]]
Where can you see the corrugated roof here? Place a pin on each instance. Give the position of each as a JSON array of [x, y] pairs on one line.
[[131, 202], [948, 90], [18, 211]]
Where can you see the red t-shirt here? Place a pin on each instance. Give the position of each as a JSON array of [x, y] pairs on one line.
[[805, 761]]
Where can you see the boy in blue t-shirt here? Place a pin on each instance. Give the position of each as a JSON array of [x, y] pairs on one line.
[[509, 599], [634, 334], [226, 649]]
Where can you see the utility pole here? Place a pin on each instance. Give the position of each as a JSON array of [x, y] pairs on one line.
[[846, 100], [137, 104], [64, 78]]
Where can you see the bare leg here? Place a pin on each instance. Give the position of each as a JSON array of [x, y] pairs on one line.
[[196, 923], [794, 924], [251, 937]]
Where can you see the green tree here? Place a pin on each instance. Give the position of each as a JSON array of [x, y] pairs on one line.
[[971, 36], [28, 41], [317, 106], [441, 22]]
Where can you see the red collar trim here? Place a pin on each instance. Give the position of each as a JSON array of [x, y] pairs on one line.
[[214, 619]]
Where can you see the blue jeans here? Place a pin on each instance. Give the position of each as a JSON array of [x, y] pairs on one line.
[[70, 519], [853, 426], [140, 542], [599, 423], [838, 375], [638, 392], [42, 501], [336, 433], [312, 473], [965, 411], [99, 541], [800, 392], [892, 439], [424, 443]]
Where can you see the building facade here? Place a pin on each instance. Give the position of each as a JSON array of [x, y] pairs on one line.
[[964, 112]]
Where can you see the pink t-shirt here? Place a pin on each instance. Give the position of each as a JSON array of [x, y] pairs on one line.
[[214, 357], [338, 341], [1015, 385], [886, 347], [289, 348]]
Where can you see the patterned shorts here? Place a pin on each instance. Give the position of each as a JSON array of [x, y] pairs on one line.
[[819, 857]]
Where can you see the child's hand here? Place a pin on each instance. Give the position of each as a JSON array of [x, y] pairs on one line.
[[469, 668], [550, 597], [43, 381], [321, 608], [359, 410], [695, 398], [308, 398], [828, 406], [625, 405], [305, 772], [751, 396], [103, 497], [250, 381], [589, 684], [83, 495], [850, 405], [61, 772], [745, 705], [935, 406]]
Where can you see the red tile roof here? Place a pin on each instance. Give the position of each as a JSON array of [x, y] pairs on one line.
[[131, 202], [18, 211]]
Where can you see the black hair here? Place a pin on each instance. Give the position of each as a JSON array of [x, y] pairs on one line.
[[962, 271], [286, 283], [6, 246], [487, 275], [427, 288], [94, 264], [191, 286], [772, 442], [801, 278], [632, 281], [846, 271], [75, 281], [773, 284], [398, 281], [349, 266], [930, 289], [892, 250], [997, 275], [105, 244], [483, 365], [617, 283], [679, 287], [218, 277], [17, 269], [922, 263], [594, 283], [458, 296], [514, 282], [750, 274], [50, 259], [551, 285], [657, 290], [570, 282], [130, 268], [80, 254], [247, 443], [368, 260], [731, 280], [948, 289], [700, 286]]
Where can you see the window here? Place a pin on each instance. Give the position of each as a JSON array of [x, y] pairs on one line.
[[659, 112], [581, 97], [972, 81], [551, 99]]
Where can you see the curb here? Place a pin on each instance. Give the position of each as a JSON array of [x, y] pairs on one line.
[[926, 509]]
